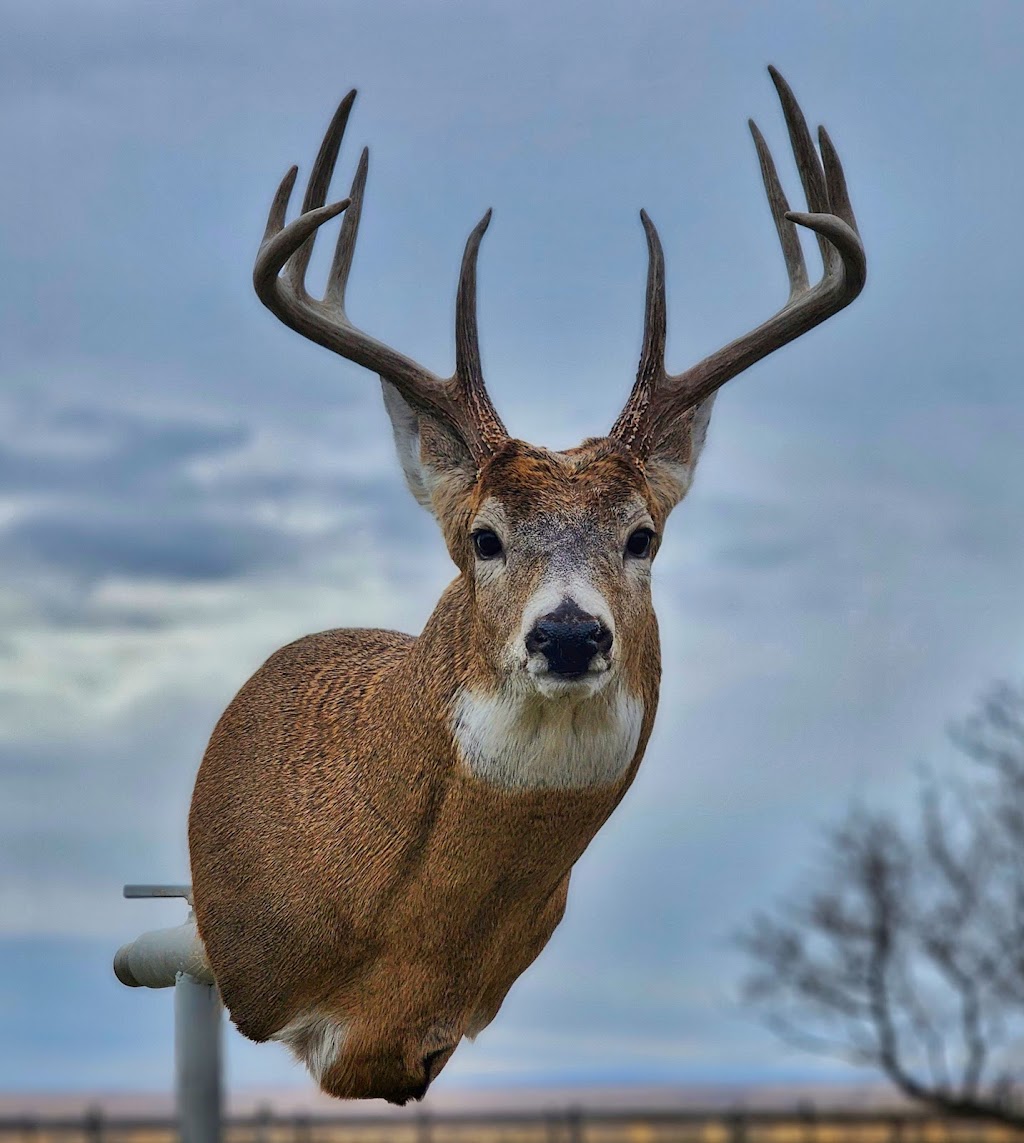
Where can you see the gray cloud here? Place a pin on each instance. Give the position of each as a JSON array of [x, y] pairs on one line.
[[104, 450], [170, 546]]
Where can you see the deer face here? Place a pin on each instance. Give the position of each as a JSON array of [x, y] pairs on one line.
[[559, 551], [557, 547]]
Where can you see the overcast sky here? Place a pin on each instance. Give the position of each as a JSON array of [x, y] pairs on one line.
[[185, 484]]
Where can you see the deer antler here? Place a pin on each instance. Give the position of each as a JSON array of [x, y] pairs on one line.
[[279, 278], [659, 397]]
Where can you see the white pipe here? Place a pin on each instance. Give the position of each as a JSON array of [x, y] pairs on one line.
[[155, 959]]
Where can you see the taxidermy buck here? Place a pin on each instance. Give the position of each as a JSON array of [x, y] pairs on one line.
[[383, 827]]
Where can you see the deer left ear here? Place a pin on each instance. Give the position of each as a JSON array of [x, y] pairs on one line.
[[437, 463], [675, 451]]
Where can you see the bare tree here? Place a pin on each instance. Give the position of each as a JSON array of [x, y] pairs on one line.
[[905, 952]]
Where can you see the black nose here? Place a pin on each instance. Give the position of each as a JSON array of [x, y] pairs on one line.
[[569, 638]]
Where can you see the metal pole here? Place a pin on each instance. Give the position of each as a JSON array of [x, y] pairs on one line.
[[176, 957], [197, 1059]]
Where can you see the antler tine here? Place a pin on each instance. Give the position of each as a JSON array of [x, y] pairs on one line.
[[279, 280], [650, 374], [279, 207], [835, 180], [658, 396], [792, 252], [468, 370], [316, 188], [808, 165], [337, 281], [652, 355], [467, 345]]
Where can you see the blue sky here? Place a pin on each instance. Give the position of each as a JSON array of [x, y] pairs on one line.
[[185, 484]]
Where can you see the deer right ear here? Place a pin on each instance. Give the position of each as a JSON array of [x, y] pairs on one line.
[[675, 449], [436, 461]]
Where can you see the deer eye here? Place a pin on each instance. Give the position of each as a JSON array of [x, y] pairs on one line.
[[639, 543], [487, 544]]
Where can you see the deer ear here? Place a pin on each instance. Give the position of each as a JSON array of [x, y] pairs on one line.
[[435, 459], [677, 446]]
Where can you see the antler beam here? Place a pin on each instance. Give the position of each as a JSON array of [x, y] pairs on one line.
[[658, 397], [279, 278]]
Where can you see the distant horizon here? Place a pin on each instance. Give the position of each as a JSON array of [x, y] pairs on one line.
[[305, 1099]]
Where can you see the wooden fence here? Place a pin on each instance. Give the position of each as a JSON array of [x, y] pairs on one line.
[[576, 1125]]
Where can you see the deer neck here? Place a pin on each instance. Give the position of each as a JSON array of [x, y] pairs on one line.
[[502, 731]]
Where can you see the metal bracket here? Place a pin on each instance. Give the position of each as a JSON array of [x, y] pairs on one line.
[[184, 891]]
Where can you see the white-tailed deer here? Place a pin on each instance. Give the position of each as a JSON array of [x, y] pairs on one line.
[[383, 827]]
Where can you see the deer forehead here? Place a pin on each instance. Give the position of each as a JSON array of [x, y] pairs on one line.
[[561, 502]]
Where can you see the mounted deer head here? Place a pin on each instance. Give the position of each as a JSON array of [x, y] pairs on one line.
[[383, 827]]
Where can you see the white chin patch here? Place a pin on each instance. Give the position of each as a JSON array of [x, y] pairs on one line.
[[315, 1040], [526, 741]]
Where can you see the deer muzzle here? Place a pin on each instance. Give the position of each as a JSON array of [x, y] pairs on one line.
[[569, 639]]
